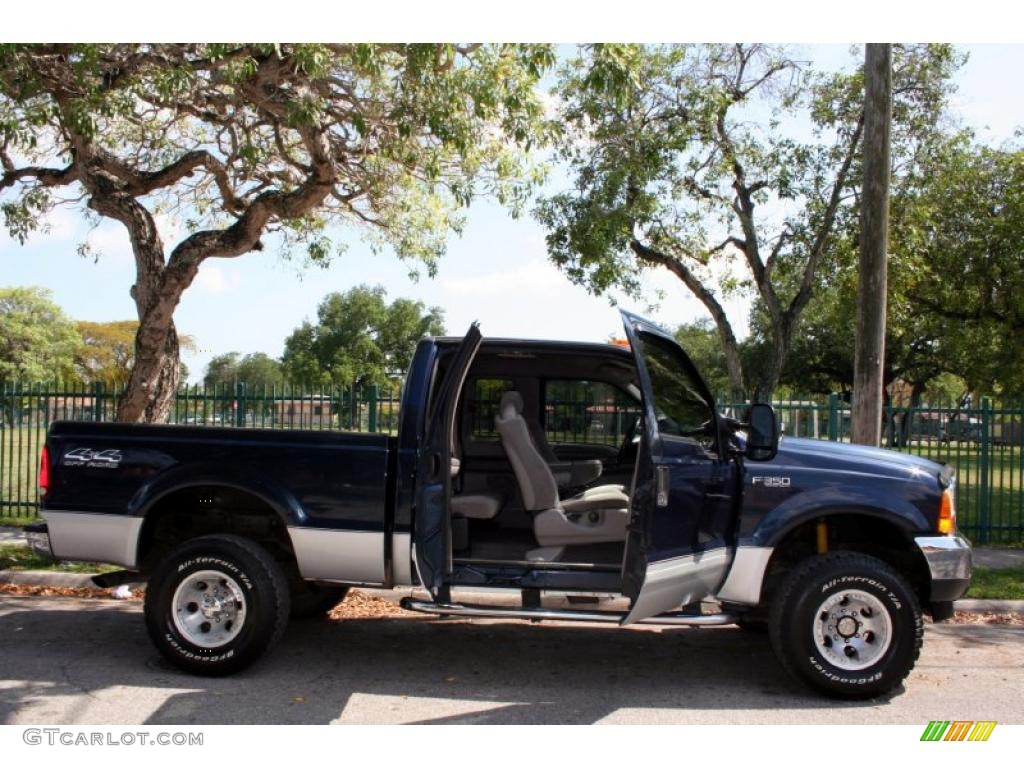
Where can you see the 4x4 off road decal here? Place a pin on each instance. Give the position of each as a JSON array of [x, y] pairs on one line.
[[958, 730], [87, 457]]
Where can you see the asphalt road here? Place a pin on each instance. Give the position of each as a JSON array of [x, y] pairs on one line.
[[69, 661]]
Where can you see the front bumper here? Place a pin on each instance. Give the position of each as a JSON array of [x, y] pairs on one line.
[[949, 562]]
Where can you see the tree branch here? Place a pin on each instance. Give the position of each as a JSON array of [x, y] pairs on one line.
[[48, 177]]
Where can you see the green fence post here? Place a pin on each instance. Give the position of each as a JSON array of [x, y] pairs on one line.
[[97, 401], [371, 403], [239, 404], [354, 408], [983, 471], [833, 417]]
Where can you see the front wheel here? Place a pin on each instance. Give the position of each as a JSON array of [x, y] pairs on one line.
[[846, 624], [216, 604]]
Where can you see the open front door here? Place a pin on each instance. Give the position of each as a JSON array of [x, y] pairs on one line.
[[432, 530], [683, 500]]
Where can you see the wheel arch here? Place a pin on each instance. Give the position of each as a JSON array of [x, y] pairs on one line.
[[193, 501], [869, 531]]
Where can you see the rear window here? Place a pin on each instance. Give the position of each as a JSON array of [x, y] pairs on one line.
[[482, 406], [588, 412]]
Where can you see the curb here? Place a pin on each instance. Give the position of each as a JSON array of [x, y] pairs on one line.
[[58, 579], [48, 579]]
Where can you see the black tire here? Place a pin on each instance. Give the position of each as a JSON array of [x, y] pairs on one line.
[[312, 600], [257, 614], [878, 603]]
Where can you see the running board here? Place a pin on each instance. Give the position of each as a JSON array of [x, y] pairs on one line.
[[551, 614]]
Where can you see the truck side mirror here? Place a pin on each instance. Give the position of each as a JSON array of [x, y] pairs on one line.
[[762, 433]]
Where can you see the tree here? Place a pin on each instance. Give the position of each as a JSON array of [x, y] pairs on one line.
[[108, 352], [242, 141], [359, 338], [956, 281], [256, 369], [685, 158], [37, 340], [962, 225]]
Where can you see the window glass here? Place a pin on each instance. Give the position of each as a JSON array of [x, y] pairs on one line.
[[482, 407], [591, 412], [681, 410]]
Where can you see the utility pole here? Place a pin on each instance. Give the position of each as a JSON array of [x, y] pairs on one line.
[[869, 354]]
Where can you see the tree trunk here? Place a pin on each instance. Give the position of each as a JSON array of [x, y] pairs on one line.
[[155, 376], [153, 383], [869, 353], [733, 363]]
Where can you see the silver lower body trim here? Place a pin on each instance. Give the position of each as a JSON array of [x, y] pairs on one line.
[[746, 576], [94, 538], [401, 559], [948, 557], [351, 557]]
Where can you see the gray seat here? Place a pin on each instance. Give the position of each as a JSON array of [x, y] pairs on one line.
[[476, 506], [596, 516]]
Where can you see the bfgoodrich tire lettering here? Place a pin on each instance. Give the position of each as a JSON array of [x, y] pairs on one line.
[[253, 591], [877, 636]]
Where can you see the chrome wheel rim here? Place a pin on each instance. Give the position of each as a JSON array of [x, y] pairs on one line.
[[852, 629], [208, 609]]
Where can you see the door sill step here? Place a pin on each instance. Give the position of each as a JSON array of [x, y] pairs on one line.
[[467, 610]]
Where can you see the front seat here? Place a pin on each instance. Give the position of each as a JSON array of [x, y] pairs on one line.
[[596, 516]]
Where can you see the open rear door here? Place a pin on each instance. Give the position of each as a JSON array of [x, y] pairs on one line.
[[432, 530], [681, 508]]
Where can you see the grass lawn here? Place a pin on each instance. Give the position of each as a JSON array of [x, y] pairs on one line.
[[997, 584], [16, 557]]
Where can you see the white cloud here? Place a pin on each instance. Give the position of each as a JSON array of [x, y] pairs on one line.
[[109, 241], [215, 279], [535, 276]]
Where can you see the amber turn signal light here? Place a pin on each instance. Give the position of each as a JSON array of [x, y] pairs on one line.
[[947, 513]]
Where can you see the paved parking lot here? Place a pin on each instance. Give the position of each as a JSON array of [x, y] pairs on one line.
[[71, 661]]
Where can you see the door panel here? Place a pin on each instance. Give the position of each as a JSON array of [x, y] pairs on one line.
[[674, 554], [432, 529]]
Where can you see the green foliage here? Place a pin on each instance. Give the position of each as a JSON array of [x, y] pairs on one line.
[[956, 281], [696, 158], [701, 342], [107, 351], [410, 127], [37, 340], [359, 338], [255, 369]]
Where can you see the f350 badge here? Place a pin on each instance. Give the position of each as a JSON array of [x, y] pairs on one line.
[[87, 457], [770, 481]]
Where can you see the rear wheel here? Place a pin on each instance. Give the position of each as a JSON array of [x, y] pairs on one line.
[[216, 604], [846, 624]]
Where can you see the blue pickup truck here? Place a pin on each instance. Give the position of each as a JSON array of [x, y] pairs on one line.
[[496, 479]]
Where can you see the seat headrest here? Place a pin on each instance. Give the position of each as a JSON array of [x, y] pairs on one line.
[[511, 405]]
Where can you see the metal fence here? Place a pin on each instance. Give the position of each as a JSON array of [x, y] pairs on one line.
[[984, 441]]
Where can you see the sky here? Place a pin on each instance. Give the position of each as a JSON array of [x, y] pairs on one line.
[[497, 272]]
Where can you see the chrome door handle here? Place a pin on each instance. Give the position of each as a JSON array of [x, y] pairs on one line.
[[663, 480]]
